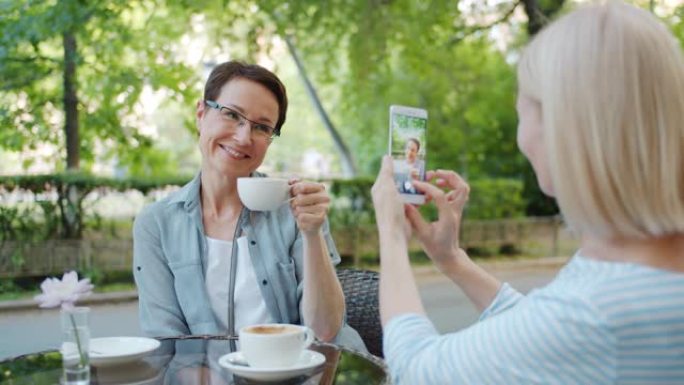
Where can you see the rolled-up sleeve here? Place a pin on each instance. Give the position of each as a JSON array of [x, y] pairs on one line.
[[506, 298]]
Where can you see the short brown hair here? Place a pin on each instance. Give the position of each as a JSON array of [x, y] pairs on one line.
[[225, 72]]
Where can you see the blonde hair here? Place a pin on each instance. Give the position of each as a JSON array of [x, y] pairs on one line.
[[610, 81]]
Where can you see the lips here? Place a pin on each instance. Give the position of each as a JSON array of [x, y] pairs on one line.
[[233, 153]]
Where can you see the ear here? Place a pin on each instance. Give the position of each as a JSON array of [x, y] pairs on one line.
[[200, 109]]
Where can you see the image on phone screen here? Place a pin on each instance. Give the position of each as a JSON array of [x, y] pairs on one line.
[[408, 126]]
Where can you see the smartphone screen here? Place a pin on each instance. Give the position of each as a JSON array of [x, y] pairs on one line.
[[408, 129]]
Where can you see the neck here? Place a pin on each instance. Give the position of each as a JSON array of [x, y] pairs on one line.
[[665, 253], [219, 194]]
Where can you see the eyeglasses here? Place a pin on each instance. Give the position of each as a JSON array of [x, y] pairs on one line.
[[236, 119]]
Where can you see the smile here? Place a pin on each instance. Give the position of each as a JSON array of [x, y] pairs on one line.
[[233, 153]]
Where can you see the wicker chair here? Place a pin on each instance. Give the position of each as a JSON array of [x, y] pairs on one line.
[[361, 296]]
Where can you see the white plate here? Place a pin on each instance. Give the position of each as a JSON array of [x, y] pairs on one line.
[[118, 350], [307, 361], [130, 373]]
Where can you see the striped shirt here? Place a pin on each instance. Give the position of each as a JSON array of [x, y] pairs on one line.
[[597, 323]]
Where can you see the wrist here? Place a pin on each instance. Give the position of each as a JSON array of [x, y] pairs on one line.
[[453, 262], [312, 234], [389, 225], [391, 233]]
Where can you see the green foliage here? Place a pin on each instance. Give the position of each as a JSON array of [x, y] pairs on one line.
[[64, 217], [87, 182], [352, 203], [361, 55], [22, 227], [490, 198], [8, 286], [41, 368], [495, 199], [99, 277], [364, 56], [677, 22], [122, 47]]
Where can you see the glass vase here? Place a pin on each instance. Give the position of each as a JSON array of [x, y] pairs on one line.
[[75, 346]]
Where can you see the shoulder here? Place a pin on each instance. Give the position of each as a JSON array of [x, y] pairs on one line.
[[156, 213]]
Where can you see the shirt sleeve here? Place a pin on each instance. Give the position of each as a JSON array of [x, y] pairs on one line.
[[159, 311], [506, 298], [543, 340]]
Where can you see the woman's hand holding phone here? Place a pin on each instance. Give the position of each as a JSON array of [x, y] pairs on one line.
[[388, 204], [440, 239]]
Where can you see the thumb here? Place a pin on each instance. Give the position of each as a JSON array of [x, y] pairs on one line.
[[387, 167], [416, 220]]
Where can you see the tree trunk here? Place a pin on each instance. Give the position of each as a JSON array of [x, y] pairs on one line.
[[538, 17], [71, 101], [70, 206], [348, 168], [534, 21]]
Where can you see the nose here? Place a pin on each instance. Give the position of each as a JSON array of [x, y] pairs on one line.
[[243, 133]]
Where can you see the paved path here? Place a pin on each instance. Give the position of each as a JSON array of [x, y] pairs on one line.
[[24, 328]]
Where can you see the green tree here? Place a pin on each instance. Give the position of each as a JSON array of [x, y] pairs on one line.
[[74, 71], [364, 56]]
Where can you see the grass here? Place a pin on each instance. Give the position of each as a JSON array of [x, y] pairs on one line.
[[20, 294], [16, 295]]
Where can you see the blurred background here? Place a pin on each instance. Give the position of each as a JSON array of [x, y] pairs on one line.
[[97, 103]]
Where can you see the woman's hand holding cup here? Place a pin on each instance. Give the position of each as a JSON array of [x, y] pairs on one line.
[[310, 202]]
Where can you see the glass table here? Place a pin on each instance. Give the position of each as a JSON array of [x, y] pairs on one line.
[[194, 360]]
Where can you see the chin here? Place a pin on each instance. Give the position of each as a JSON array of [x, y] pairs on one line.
[[546, 188]]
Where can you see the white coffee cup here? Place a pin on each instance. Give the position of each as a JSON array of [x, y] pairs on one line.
[[274, 345], [263, 194]]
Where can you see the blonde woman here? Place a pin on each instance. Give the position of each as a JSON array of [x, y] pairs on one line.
[[601, 107]]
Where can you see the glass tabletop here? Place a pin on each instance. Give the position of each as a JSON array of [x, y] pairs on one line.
[[194, 360]]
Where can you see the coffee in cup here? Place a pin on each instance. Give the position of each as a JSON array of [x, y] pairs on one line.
[[263, 194], [274, 345]]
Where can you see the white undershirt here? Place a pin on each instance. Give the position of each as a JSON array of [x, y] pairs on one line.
[[250, 307]]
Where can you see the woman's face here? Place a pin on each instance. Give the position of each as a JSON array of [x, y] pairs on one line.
[[234, 151], [411, 151], [531, 140]]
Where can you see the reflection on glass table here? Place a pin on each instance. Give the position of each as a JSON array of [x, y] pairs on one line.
[[195, 360]]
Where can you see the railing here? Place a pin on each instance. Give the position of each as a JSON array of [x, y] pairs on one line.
[[543, 236], [532, 236], [59, 255]]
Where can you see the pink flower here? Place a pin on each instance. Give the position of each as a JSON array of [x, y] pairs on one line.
[[64, 292]]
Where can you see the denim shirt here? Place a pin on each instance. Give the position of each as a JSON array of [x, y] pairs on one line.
[[169, 257]]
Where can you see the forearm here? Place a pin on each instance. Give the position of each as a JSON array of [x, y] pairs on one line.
[[478, 285], [323, 299], [398, 290]]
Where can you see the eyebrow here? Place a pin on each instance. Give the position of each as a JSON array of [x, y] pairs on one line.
[[262, 119]]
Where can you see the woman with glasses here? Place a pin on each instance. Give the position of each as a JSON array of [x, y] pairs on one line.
[[204, 263], [601, 119]]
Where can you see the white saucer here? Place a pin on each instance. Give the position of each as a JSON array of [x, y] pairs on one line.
[[235, 362], [118, 350]]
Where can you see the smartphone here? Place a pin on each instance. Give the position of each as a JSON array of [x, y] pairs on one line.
[[407, 145]]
